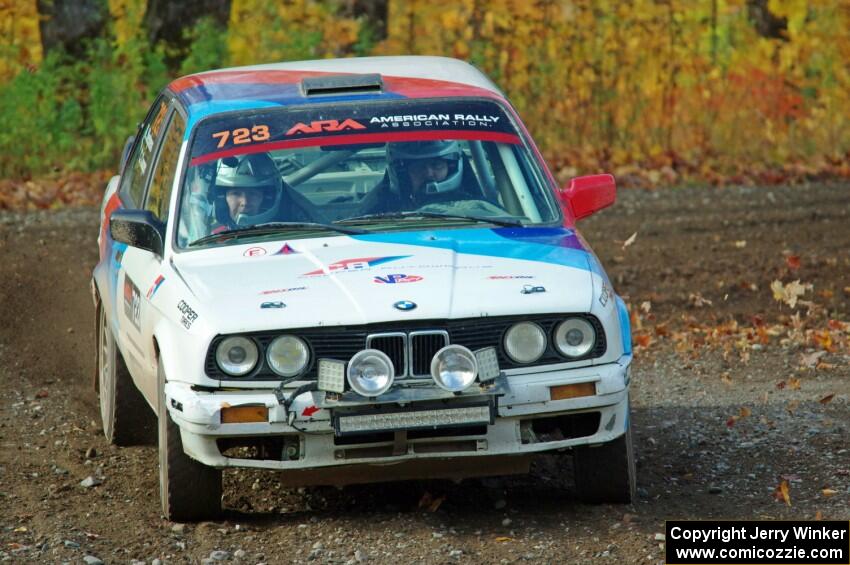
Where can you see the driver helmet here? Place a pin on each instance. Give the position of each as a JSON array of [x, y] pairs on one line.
[[404, 154], [253, 171]]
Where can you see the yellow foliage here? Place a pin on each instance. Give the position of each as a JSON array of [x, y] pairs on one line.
[[261, 31], [127, 17], [20, 39]]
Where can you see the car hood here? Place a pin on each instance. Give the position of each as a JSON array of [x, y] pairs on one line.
[[390, 276]]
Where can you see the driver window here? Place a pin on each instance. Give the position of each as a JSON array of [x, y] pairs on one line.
[[138, 165], [159, 193]]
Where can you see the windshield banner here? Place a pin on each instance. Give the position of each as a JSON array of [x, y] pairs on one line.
[[266, 130]]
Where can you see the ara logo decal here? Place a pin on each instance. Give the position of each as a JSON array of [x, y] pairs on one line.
[[132, 302], [325, 125], [272, 305], [254, 252], [358, 264], [286, 250], [530, 289], [404, 305], [155, 286], [393, 279]]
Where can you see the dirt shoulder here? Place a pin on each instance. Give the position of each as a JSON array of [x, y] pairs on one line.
[[732, 395]]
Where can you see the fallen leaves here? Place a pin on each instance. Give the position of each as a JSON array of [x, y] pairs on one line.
[[827, 399], [697, 300], [783, 492], [431, 503], [827, 492], [629, 241], [793, 262], [55, 191], [790, 293]]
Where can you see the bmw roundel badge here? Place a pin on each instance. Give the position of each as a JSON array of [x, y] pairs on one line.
[[404, 305]]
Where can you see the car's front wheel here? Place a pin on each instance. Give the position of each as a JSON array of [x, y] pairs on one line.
[[126, 417], [189, 491], [606, 473]]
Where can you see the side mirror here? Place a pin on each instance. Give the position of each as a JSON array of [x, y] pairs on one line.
[[125, 153], [589, 194], [138, 228]]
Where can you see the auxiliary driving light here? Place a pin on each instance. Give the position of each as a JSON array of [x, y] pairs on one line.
[[454, 368], [370, 372], [332, 375], [488, 364]]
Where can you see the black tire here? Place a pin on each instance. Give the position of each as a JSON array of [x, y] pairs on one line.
[[606, 473], [127, 418], [189, 491]]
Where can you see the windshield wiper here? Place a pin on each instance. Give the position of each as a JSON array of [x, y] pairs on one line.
[[414, 214], [269, 228]]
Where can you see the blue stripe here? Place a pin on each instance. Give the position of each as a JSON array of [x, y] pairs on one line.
[[557, 246], [625, 326], [203, 101]]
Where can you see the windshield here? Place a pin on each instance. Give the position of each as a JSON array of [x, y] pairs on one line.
[[370, 166]]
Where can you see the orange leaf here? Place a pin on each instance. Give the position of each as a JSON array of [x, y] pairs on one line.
[[827, 399], [744, 412], [794, 383], [793, 262], [504, 539], [643, 340], [818, 515], [783, 492], [827, 492]]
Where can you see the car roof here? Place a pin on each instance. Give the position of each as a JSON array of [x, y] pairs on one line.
[[280, 84]]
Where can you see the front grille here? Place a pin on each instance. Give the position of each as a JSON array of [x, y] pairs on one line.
[[342, 342], [394, 345], [423, 347]]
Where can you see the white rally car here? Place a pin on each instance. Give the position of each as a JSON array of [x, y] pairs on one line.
[[354, 270]]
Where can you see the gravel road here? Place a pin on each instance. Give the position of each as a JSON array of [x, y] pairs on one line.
[[733, 393]]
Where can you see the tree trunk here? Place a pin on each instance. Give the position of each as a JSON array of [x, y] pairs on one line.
[[166, 21], [767, 24]]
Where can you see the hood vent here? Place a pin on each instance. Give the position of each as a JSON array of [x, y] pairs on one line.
[[342, 84]]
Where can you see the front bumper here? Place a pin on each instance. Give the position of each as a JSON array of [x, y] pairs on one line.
[[524, 421]]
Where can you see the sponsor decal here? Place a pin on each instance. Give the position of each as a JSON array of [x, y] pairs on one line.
[[155, 286], [279, 290], [531, 289], [286, 250], [254, 252], [272, 305], [445, 120], [509, 277], [132, 302], [189, 315], [309, 411], [404, 305], [325, 125], [358, 264], [604, 295], [393, 279]]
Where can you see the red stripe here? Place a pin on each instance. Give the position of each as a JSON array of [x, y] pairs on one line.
[[361, 138]]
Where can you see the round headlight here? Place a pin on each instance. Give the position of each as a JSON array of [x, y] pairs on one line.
[[236, 356], [288, 355], [370, 372], [525, 342], [454, 368], [574, 337]]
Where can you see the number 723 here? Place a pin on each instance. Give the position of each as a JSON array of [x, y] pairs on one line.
[[239, 136]]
